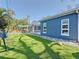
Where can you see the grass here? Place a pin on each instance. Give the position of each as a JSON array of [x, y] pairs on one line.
[[33, 47]]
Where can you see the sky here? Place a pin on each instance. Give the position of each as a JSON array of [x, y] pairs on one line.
[[37, 9]]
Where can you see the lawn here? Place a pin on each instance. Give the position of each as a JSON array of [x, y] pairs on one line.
[[33, 47]]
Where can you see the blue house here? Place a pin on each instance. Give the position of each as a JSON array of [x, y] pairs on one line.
[[63, 26]]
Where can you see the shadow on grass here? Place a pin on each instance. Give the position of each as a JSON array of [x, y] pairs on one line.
[[76, 55], [2, 51], [47, 48], [29, 52], [25, 50], [20, 37], [2, 57]]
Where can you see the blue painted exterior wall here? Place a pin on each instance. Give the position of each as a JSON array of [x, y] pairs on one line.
[[78, 27], [54, 27]]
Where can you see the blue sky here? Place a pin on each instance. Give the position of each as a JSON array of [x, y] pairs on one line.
[[37, 9]]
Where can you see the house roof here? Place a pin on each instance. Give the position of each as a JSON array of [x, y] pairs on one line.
[[35, 23], [75, 10]]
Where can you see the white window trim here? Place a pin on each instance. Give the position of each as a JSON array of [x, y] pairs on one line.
[[44, 25], [64, 29]]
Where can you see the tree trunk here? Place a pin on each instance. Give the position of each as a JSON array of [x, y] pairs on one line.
[[4, 40]]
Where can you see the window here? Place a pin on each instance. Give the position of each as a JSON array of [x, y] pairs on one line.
[[65, 27], [44, 28]]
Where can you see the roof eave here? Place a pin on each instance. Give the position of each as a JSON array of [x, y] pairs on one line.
[[62, 14]]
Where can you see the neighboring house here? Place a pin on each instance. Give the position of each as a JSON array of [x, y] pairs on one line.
[[35, 27], [63, 26], [23, 28]]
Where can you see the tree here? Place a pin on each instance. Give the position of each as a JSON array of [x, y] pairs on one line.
[[4, 22], [22, 22], [11, 13]]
